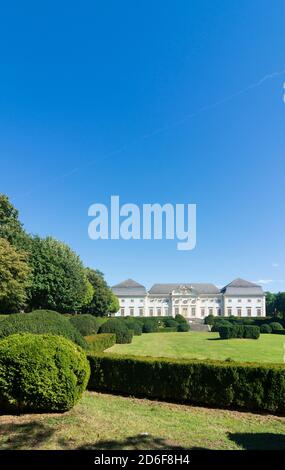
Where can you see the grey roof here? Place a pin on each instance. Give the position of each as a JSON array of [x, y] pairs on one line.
[[242, 287], [201, 288], [129, 287], [243, 291]]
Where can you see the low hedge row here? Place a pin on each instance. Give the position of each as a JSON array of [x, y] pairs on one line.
[[98, 343], [239, 331], [211, 383]]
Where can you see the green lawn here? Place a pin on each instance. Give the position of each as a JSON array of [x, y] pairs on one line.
[[102, 421], [200, 345]]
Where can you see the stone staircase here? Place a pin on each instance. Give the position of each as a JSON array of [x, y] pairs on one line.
[[198, 325]]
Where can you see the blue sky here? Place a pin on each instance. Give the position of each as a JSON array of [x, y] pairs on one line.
[[156, 102]]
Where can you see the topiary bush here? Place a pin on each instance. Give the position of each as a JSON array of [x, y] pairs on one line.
[[227, 332], [39, 322], [239, 331], [180, 319], [209, 320], [98, 343], [134, 325], [265, 329], [276, 326], [171, 323], [251, 331], [117, 326], [86, 324], [220, 323], [150, 326], [41, 373], [183, 327]]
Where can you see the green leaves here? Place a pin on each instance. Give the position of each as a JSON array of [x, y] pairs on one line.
[[14, 277]]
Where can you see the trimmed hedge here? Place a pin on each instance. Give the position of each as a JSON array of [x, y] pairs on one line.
[[117, 326], [150, 326], [134, 325], [180, 319], [239, 331], [276, 326], [265, 329], [40, 322], [98, 343], [86, 324], [213, 383], [183, 327], [171, 323], [41, 373]]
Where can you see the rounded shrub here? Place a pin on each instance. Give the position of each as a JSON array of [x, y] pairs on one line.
[[221, 323], [40, 322], [86, 324], [133, 324], [180, 319], [209, 320], [275, 326], [150, 326], [41, 373], [171, 323], [265, 328], [183, 327], [117, 326]]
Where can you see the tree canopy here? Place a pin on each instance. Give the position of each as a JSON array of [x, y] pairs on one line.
[[14, 278], [59, 279], [104, 300]]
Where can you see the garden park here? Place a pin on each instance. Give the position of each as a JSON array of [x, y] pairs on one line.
[[73, 376]]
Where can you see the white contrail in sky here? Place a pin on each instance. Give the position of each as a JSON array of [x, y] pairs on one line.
[[164, 129]]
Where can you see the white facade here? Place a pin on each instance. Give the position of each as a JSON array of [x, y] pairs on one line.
[[194, 301]]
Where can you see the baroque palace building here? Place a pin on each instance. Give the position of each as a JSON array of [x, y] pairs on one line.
[[194, 301]]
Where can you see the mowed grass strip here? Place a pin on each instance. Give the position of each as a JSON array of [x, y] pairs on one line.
[[102, 421], [201, 345]]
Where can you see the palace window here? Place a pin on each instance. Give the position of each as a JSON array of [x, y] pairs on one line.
[[210, 311], [229, 300], [258, 300], [258, 310], [141, 312], [166, 311], [219, 310], [122, 300], [158, 312], [229, 311], [239, 300], [248, 312], [132, 300], [239, 312], [150, 310], [202, 312], [193, 311], [122, 312], [249, 300], [176, 310], [132, 311]]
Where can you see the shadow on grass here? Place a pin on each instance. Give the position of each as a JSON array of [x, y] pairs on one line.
[[24, 435], [259, 441], [138, 442]]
